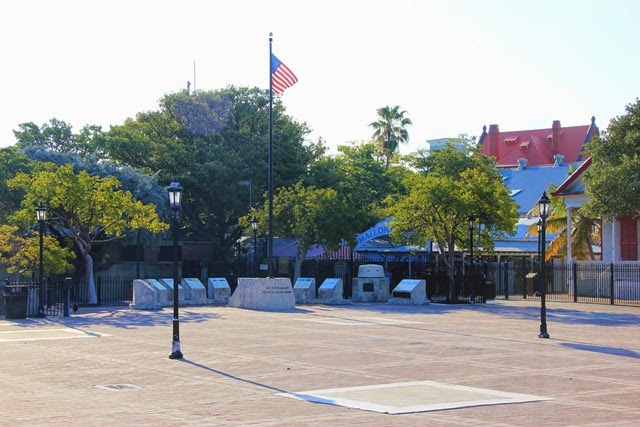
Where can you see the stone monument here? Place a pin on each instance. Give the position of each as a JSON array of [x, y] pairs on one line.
[[304, 290], [330, 292], [197, 291], [410, 291], [218, 291], [371, 285], [263, 294]]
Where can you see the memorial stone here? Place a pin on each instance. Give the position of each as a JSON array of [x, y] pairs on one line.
[[371, 285], [219, 290], [198, 293], [263, 294], [144, 296], [168, 283], [410, 291], [304, 290], [162, 293], [330, 292]]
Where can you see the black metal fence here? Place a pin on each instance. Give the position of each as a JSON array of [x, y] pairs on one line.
[[29, 299], [520, 278], [580, 281], [110, 290], [59, 295]]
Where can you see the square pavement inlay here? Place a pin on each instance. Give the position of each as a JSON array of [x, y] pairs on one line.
[[46, 334], [416, 396]]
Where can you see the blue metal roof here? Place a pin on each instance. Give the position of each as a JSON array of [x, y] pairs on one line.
[[527, 185]]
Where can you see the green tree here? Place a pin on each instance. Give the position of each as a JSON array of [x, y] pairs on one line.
[[58, 136], [210, 141], [459, 184], [360, 180], [12, 161], [20, 252], [390, 130], [310, 215], [85, 208], [613, 180]]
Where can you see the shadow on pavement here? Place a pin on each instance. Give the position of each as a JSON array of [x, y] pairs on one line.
[[233, 377], [558, 315], [603, 350], [132, 319]]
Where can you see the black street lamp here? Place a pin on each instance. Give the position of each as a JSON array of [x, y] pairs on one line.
[[175, 198], [539, 241], [472, 224], [41, 216], [543, 205], [254, 227]]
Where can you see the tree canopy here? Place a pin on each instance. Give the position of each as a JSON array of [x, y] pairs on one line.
[[211, 141], [613, 180], [84, 208], [20, 252], [312, 216], [457, 185], [58, 136]]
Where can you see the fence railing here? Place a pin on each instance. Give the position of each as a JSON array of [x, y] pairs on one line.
[[580, 281]]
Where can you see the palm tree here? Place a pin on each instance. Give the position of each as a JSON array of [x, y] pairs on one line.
[[390, 130], [585, 231]]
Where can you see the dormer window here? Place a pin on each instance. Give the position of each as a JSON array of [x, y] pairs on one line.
[[511, 140]]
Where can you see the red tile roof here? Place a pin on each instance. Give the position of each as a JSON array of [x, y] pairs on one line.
[[537, 145]]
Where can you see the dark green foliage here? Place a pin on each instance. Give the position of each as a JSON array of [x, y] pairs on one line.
[[613, 180]]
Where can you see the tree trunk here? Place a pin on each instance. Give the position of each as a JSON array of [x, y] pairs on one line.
[[297, 266], [91, 285], [297, 269]]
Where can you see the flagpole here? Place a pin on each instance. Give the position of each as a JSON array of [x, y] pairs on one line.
[[270, 178]]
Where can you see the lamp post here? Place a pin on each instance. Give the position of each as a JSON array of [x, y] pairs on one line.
[[543, 205], [472, 224], [41, 216], [175, 198], [539, 241], [254, 227]]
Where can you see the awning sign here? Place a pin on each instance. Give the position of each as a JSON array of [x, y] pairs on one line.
[[380, 229]]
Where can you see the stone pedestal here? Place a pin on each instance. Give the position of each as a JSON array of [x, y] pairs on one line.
[[168, 283], [263, 294], [218, 291], [410, 292], [197, 294], [144, 296], [162, 293], [330, 292], [370, 289], [304, 290]]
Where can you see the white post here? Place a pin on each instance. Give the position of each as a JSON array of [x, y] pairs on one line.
[[569, 255]]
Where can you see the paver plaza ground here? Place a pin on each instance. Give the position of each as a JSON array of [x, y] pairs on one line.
[[111, 366]]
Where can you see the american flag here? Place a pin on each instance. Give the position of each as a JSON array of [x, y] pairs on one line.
[[281, 76]]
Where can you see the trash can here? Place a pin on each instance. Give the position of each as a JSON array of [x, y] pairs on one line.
[[15, 302]]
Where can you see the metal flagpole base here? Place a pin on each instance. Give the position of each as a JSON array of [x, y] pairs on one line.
[[175, 351], [543, 335]]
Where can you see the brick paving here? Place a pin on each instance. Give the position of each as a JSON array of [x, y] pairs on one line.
[[110, 366]]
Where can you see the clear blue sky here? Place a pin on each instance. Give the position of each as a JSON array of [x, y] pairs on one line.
[[453, 65]]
